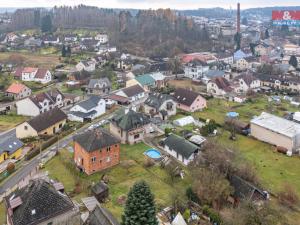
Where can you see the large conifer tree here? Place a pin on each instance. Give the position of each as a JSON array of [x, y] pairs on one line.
[[140, 208]]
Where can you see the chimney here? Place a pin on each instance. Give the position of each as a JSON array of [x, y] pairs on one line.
[[238, 19]]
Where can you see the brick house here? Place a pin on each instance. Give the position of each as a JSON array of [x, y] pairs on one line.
[[96, 150]]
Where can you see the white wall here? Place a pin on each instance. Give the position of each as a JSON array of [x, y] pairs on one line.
[[26, 107]]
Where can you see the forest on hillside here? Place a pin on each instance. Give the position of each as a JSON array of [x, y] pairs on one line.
[[161, 32]]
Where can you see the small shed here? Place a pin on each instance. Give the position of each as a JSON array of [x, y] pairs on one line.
[[100, 191]]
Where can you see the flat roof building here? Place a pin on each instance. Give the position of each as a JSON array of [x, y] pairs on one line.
[[276, 131]]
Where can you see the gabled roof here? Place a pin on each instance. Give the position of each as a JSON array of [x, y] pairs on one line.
[[155, 100], [101, 216], [145, 79], [9, 142], [180, 145], [90, 103], [185, 96], [99, 83], [97, 139], [37, 202], [49, 95], [16, 88], [41, 73], [222, 83], [133, 90], [130, 120], [47, 119], [247, 77], [214, 73]]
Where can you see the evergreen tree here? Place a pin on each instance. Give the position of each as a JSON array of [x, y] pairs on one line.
[[68, 51], [267, 35], [293, 61], [140, 208], [46, 24], [63, 51]]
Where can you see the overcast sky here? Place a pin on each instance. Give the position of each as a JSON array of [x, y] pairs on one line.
[[146, 4]]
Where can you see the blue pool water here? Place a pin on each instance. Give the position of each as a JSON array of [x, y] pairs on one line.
[[153, 153]]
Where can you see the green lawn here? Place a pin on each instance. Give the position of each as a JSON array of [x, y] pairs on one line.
[[217, 108], [274, 169], [121, 178], [9, 121]]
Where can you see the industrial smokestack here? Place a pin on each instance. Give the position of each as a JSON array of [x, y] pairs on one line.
[[238, 19]]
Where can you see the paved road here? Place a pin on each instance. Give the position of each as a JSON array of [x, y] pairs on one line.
[[29, 166]]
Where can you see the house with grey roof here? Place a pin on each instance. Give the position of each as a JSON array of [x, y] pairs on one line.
[[129, 126], [87, 65], [180, 148], [160, 105], [10, 146], [100, 86], [88, 109], [40, 203], [133, 93]]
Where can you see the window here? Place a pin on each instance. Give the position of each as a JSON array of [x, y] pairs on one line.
[[100, 161], [25, 128], [60, 126], [136, 136], [116, 145], [108, 159], [93, 159], [108, 149]]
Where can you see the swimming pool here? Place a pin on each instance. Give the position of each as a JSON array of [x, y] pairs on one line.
[[153, 153]]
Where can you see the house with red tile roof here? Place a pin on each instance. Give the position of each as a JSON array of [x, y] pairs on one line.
[[18, 91], [33, 74]]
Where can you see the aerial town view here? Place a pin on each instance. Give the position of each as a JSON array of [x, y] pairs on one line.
[[146, 112]]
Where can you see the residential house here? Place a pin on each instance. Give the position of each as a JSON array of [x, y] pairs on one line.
[[40, 203], [33, 74], [101, 216], [45, 124], [219, 86], [160, 79], [195, 69], [146, 81], [291, 49], [226, 57], [240, 54], [18, 91], [87, 110], [129, 126], [71, 38], [262, 49], [40, 103], [189, 101], [160, 105], [51, 40], [78, 78], [242, 64], [210, 74], [102, 38], [133, 93], [246, 82], [33, 42], [96, 150], [10, 146], [160, 66], [100, 86], [10, 37], [87, 65], [180, 148], [276, 131]]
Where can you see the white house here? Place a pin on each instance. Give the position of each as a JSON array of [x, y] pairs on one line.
[[246, 82], [33, 74], [40, 103], [87, 110], [195, 69], [87, 65], [219, 86], [180, 148], [133, 93], [102, 38]]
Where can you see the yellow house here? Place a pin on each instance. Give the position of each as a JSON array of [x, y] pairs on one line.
[[47, 123], [10, 146]]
